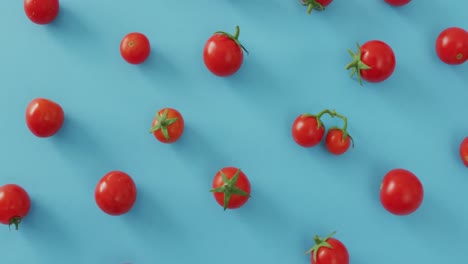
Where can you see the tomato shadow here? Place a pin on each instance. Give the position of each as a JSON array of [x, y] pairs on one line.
[[158, 68]]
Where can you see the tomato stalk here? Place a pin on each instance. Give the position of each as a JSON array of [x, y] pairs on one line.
[[15, 221], [356, 63], [312, 4], [229, 188], [163, 123], [319, 242], [234, 37], [332, 114]]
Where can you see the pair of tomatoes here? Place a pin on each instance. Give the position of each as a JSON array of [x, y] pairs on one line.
[[308, 131], [452, 46]]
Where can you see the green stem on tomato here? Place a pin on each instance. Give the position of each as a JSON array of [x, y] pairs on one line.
[[313, 4], [229, 188], [356, 63], [234, 37], [319, 242], [163, 123], [15, 221]]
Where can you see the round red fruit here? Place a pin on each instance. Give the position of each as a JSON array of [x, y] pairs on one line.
[[115, 193], [231, 188], [135, 48], [41, 12], [168, 125], [44, 117], [452, 46], [398, 2], [464, 151], [337, 142], [307, 130], [401, 192], [14, 204], [328, 250], [223, 53], [374, 62]]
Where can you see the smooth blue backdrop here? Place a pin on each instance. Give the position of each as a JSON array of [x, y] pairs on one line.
[[414, 120]]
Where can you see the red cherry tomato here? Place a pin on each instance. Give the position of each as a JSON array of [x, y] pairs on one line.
[[231, 188], [115, 193], [398, 2], [14, 204], [318, 5], [374, 62], [41, 11], [44, 117], [336, 143], [223, 54], [452, 46], [328, 251], [401, 192], [135, 48], [307, 131], [168, 125], [464, 151]]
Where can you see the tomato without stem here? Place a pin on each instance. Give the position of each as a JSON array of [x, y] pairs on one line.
[[463, 150], [44, 117], [168, 125], [401, 192], [135, 48], [337, 142], [328, 250], [452, 46], [374, 61], [398, 2], [115, 193], [41, 12], [319, 5], [15, 204], [222, 53], [231, 188]]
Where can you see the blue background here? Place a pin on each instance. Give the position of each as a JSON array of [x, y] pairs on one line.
[[414, 120]]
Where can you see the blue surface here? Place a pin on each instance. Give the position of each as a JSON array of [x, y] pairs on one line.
[[414, 120]]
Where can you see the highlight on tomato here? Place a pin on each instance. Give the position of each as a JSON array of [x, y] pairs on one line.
[[231, 188], [328, 250], [168, 125], [41, 12], [318, 5], [44, 117], [401, 192], [115, 193], [15, 204]]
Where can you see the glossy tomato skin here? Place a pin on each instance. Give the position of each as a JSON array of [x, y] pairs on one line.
[[338, 254], [334, 142], [14, 203], [379, 56], [115, 193], [41, 12], [306, 131], [243, 183], [401, 192], [398, 2], [222, 55], [44, 117], [325, 3], [135, 48], [175, 130], [452, 46], [463, 151]]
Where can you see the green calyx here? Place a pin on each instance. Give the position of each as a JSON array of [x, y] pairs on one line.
[[163, 123], [356, 64], [15, 221], [311, 5], [332, 114], [229, 188], [319, 242], [234, 37]]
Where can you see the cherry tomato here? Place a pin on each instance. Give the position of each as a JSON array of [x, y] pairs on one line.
[[168, 125], [401, 192], [318, 5], [41, 12], [14, 204], [231, 188], [223, 54], [135, 48], [464, 151], [44, 117], [452, 46], [336, 142], [328, 250], [307, 130], [115, 193], [374, 62], [398, 2]]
